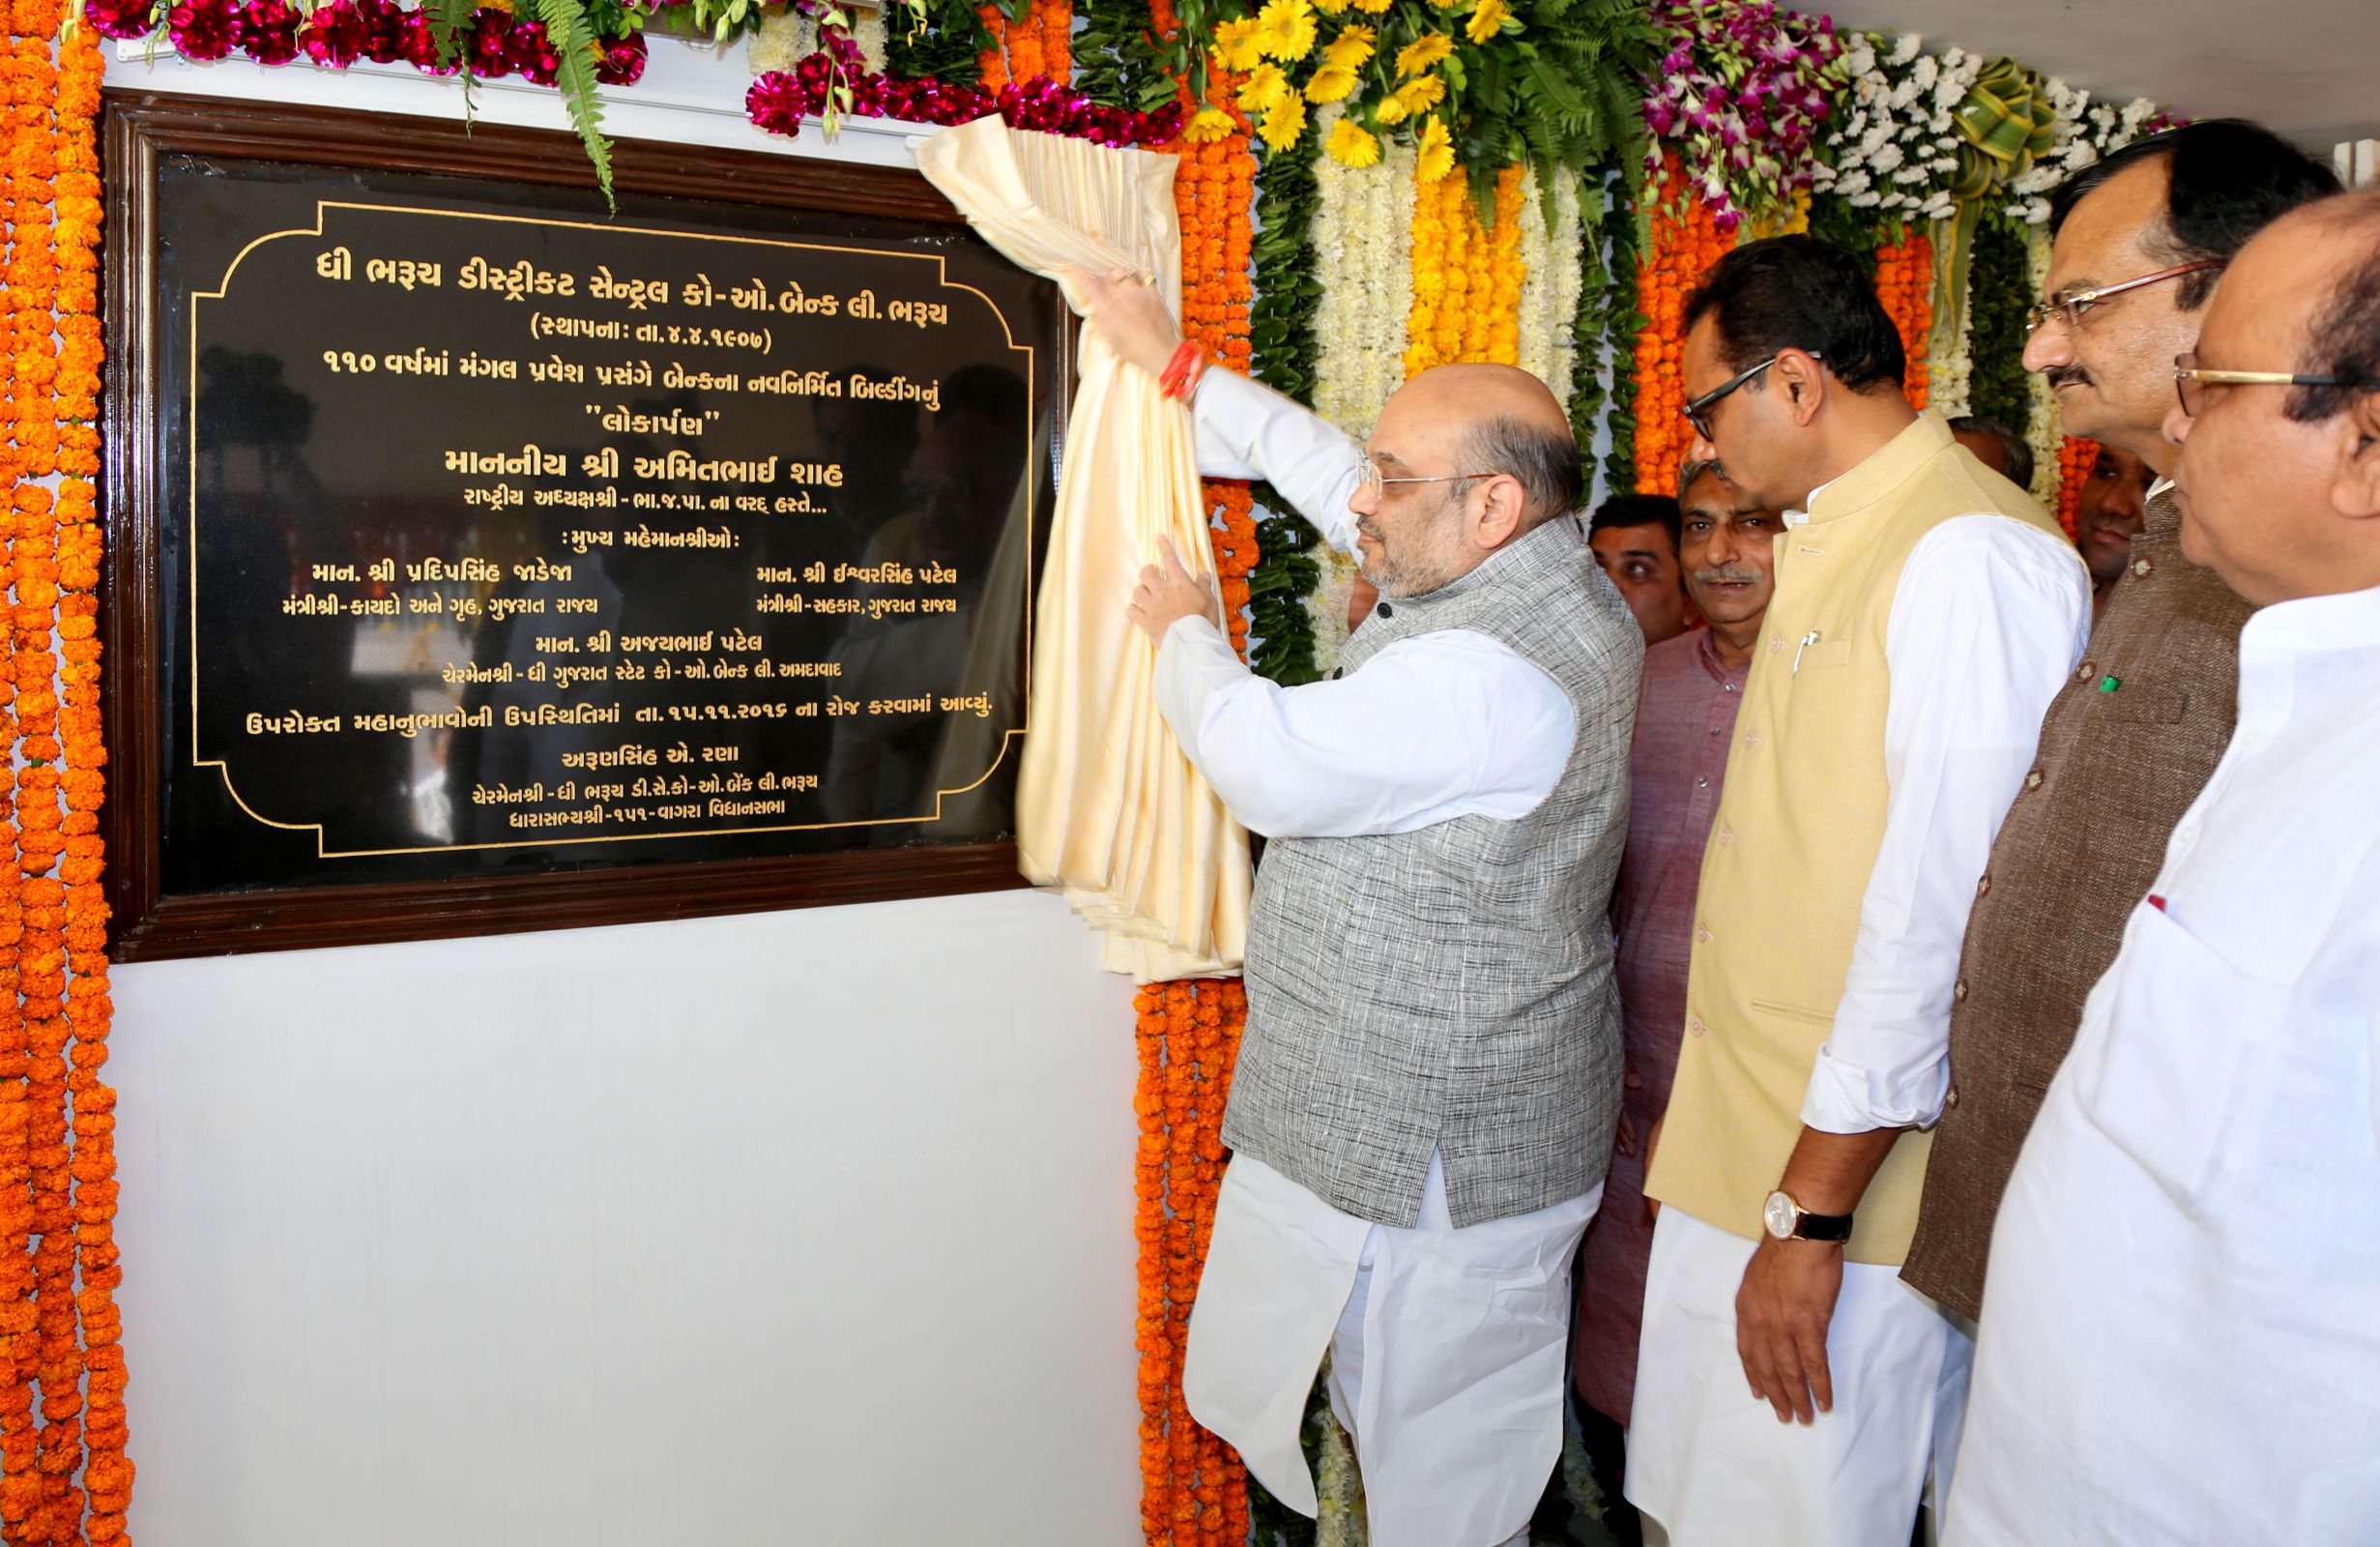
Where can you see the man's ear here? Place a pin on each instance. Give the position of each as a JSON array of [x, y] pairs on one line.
[[2355, 493], [1499, 518], [1799, 376]]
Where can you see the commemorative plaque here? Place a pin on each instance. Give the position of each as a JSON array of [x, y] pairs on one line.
[[501, 561]]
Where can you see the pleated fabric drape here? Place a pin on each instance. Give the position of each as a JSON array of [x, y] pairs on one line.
[[1108, 808]]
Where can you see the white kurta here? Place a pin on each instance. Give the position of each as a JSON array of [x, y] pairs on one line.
[[2181, 1340], [1446, 1345], [1987, 618]]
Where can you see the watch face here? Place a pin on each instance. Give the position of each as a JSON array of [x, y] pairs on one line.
[[1780, 1216]]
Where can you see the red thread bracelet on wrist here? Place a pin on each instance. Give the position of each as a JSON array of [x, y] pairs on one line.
[[1181, 374]]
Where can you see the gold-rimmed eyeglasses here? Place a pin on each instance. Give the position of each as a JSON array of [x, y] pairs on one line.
[[1370, 472], [2072, 308], [2190, 380]]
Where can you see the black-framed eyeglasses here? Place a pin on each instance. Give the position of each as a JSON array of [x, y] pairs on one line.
[[2190, 381], [1698, 412], [2073, 308]]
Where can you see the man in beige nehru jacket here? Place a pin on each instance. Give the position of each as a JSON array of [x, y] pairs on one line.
[[1790, 1387]]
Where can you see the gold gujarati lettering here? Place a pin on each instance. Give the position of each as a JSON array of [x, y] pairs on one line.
[[521, 630]]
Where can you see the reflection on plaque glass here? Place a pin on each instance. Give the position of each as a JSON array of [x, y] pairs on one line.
[[497, 534]]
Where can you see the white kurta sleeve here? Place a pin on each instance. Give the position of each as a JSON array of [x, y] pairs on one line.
[[1439, 725], [1248, 430], [1988, 618]]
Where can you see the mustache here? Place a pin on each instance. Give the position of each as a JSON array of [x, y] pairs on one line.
[[1732, 575], [2061, 375]]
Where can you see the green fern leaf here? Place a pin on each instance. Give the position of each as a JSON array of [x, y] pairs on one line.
[[566, 29]]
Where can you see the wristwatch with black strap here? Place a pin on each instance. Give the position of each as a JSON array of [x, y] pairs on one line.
[[1787, 1220]]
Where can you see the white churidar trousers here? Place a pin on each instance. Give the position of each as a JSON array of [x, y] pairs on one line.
[[1446, 1350]]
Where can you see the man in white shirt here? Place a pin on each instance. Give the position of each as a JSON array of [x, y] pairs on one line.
[[1788, 1388], [2179, 1340], [1426, 1094]]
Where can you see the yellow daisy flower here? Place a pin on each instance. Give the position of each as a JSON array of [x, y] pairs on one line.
[[1437, 157], [1423, 52], [1285, 123], [1235, 44], [1331, 84], [1486, 19], [1414, 96], [1211, 124], [1330, 8], [1352, 146], [1285, 30], [1392, 109], [1265, 89], [1373, 7], [1351, 49]]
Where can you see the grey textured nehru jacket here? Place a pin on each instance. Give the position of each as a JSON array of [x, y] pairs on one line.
[[1451, 989], [2125, 748]]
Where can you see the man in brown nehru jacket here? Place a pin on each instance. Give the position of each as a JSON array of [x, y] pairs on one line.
[[2141, 240]]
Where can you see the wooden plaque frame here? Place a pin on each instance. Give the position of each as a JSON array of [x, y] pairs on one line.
[[141, 127]]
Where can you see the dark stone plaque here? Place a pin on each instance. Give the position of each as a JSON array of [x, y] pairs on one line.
[[494, 539]]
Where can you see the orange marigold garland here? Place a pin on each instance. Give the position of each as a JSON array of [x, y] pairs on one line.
[[1194, 1491], [1055, 20], [19, 1436], [106, 1471], [993, 62], [1683, 247], [1213, 190], [59, 1326], [2074, 459], [1905, 283], [1193, 1488]]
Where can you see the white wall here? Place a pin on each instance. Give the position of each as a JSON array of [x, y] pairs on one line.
[[792, 1228], [799, 1228]]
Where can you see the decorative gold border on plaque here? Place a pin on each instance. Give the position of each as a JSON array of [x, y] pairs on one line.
[[1030, 478]]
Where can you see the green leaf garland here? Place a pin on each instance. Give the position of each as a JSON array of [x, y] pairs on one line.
[[950, 47], [1998, 386], [1282, 354], [1117, 62]]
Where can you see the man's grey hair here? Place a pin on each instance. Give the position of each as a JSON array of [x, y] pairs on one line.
[[1545, 461], [1690, 474]]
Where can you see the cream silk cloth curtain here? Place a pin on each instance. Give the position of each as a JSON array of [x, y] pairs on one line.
[[1107, 806]]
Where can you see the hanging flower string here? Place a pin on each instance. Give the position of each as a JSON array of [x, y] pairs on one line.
[[59, 1327], [26, 401], [1905, 283], [1684, 246], [1194, 1492], [1213, 189], [2074, 459], [106, 1473]]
